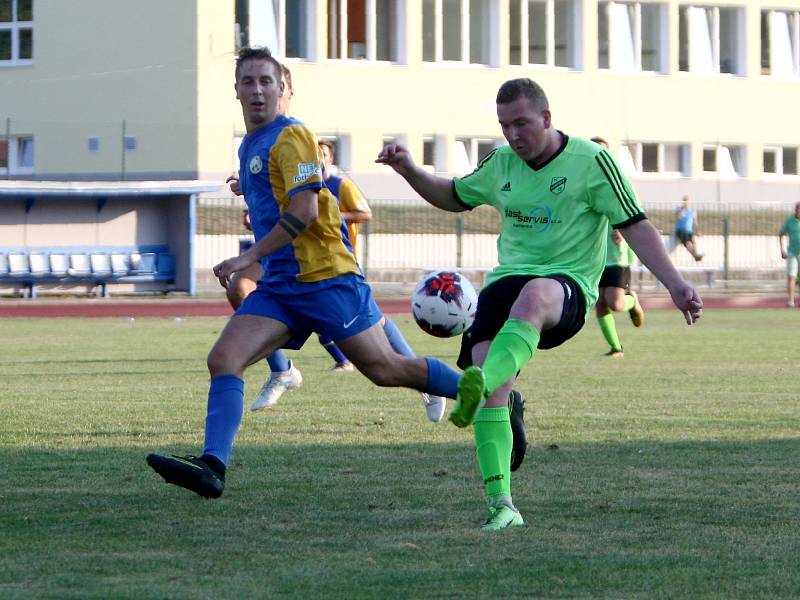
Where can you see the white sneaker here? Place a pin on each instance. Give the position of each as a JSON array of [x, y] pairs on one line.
[[343, 367], [274, 387], [434, 406]]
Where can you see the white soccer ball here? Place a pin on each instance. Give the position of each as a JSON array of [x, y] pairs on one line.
[[444, 304]]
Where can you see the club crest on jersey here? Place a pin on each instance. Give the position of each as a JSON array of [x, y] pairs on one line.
[[557, 184], [256, 165], [306, 170]]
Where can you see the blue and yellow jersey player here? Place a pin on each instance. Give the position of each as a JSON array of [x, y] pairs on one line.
[[312, 282]]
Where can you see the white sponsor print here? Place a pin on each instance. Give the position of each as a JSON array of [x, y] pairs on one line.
[[305, 171]]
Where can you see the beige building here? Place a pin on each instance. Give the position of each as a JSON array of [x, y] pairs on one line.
[[694, 97]]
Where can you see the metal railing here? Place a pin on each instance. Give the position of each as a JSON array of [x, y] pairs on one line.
[[406, 238]]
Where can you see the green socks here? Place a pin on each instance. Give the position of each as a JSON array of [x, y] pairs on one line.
[[493, 440], [609, 329], [512, 347]]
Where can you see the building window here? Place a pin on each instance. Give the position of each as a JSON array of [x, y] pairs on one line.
[[16, 155], [93, 144], [632, 36], [545, 32], [711, 40], [16, 32], [284, 26], [366, 29], [459, 31], [342, 150], [780, 160], [662, 158], [780, 43], [469, 151], [727, 160]]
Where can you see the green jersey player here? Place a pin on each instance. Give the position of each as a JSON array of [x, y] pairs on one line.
[[556, 196]]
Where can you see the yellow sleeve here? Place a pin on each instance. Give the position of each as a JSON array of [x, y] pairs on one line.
[[298, 159], [351, 199]]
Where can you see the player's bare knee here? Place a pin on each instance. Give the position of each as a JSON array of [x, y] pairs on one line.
[[223, 361], [618, 305]]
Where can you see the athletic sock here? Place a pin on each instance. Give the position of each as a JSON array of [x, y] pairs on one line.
[[278, 362], [225, 407], [442, 380], [609, 329], [396, 339], [512, 347], [333, 350], [629, 302], [493, 442]]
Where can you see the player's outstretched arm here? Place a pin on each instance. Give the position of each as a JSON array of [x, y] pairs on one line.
[[435, 190], [645, 241]]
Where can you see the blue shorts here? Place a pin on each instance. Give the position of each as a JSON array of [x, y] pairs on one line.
[[337, 308]]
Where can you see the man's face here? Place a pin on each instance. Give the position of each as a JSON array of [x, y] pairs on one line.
[[524, 128], [258, 90], [286, 98], [327, 157]]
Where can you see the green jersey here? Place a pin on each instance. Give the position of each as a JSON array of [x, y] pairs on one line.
[[554, 218], [618, 255], [791, 227]]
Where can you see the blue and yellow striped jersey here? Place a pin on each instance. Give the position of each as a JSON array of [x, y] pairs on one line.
[[276, 162]]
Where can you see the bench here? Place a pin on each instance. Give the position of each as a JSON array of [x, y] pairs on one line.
[[92, 266]]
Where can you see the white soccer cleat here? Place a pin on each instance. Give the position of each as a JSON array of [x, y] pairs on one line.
[[274, 387], [343, 367], [434, 406]]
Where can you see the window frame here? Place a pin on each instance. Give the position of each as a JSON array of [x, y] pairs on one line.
[[737, 154], [793, 17], [490, 34], [636, 151], [716, 41], [575, 49], [778, 152], [15, 155], [15, 26], [307, 11], [396, 20], [636, 30]]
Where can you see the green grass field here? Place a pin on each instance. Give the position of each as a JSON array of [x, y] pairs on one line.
[[671, 473]]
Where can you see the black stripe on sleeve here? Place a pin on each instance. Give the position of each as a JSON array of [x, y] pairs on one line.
[[458, 198], [615, 179], [482, 162], [634, 219]]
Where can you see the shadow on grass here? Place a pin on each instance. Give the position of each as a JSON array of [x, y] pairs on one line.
[[630, 519]]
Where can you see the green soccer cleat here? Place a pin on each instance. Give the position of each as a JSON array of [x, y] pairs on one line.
[[189, 472], [502, 517], [471, 388]]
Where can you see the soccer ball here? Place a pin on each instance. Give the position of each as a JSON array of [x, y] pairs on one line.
[[444, 304]]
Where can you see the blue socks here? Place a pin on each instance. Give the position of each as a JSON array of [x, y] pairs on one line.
[[442, 380], [278, 361], [225, 407], [333, 349], [396, 339]]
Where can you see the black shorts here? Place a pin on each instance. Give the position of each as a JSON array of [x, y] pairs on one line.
[[684, 236], [494, 304], [616, 276]]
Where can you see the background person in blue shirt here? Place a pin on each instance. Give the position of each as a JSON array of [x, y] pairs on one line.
[[687, 227]]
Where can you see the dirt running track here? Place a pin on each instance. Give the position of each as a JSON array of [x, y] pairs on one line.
[[190, 307]]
